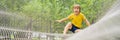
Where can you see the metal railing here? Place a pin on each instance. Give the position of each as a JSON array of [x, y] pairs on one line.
[[15, 34]]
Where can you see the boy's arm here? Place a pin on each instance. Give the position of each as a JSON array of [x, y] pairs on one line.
[[87, 22], [62, 20]]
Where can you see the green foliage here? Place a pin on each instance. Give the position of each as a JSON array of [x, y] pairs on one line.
[[13, 5], [43, 13]]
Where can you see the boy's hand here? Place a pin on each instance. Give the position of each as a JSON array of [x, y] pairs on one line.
[[59, 21]]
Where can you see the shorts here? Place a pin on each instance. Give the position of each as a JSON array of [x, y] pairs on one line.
[[73, 28]]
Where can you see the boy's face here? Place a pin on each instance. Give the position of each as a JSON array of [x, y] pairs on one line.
[[76, 9]]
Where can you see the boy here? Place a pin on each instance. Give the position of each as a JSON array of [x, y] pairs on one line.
[[76, 20]]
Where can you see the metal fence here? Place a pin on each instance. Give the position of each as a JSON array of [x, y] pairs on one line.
[[15, 34], [15, 27]]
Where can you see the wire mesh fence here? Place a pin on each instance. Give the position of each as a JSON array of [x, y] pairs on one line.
[[15, 34], [14, 27]]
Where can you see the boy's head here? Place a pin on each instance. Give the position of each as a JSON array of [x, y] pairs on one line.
[[76, 9]]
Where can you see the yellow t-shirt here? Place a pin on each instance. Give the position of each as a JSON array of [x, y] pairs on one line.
[[77, 19]]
